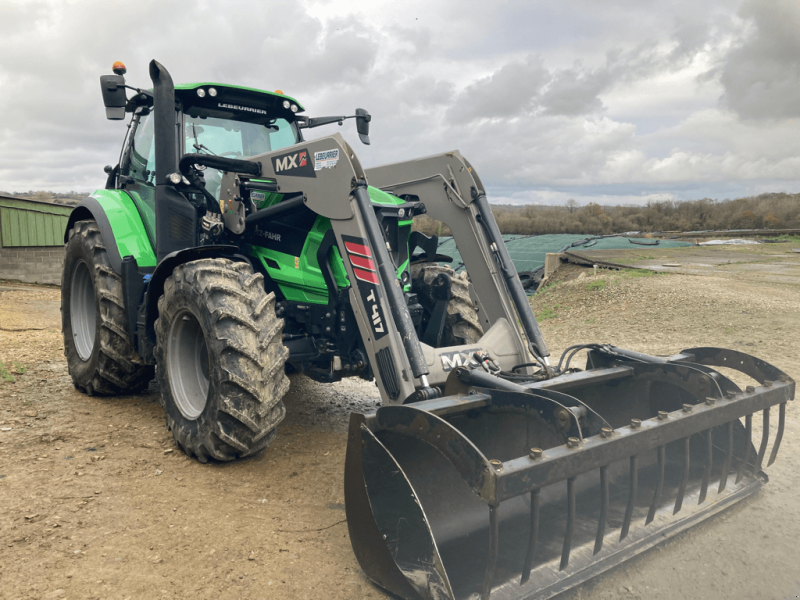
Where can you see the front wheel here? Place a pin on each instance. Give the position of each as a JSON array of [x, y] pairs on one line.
[[220, 360], [462, 325]]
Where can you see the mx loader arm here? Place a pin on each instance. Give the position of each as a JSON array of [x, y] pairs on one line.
[[334, 185]]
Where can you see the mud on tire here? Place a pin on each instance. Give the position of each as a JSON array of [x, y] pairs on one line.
[[463, 325], [220, 360], [100, 356]]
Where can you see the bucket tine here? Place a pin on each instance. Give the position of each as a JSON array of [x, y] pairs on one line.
[[726, 466], [709, 463], [534, 534], [494, 549], [652, 512], [762, 450], [570, 524], [601, 524], [634, 481], [743, 465], [779, 436], [684, 479]]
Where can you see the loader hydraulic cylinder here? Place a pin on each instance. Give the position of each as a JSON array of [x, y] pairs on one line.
[[265, 215], [514, 285]]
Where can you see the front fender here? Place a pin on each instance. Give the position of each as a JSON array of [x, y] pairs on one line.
[[166, 266], [120, 224]]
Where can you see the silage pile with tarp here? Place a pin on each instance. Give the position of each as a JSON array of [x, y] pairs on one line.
[[528, 252]]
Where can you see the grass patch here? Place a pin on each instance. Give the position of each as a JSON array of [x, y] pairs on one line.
[[598, 285], [548, 312], [637, 273], [548, 288], [794, 239], [5, 374], [637, 259]]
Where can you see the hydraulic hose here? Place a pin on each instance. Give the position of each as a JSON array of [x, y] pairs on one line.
[[235, 165]]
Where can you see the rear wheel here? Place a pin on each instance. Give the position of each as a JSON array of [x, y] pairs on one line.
[[220, 360], [462, 325], [100, 356]]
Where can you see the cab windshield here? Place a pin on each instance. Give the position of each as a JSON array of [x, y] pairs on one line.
[[205, 134], [236, 139]]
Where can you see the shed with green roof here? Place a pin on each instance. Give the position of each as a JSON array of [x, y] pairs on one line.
[[32, 240]]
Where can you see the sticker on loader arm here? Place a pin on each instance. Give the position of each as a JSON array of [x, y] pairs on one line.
[[326, 159], [296, 164], [452, 360], [366, 273]]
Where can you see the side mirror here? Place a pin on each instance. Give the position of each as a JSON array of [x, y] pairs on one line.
[[114, 96], [362, 125]]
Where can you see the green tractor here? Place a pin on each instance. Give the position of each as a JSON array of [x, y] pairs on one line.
[[226, 283], [226, 250]]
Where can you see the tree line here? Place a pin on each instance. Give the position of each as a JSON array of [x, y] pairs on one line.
[[767, 211]]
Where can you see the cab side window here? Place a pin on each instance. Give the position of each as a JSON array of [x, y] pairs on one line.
[[143, 152]]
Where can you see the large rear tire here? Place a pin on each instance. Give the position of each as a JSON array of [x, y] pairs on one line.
[[100, 356], [220, 360], [462, 326]]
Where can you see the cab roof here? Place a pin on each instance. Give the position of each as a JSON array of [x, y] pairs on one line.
[[250, 92], [241, 99]]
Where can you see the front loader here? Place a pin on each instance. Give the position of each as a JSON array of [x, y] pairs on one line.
[[226, 250]]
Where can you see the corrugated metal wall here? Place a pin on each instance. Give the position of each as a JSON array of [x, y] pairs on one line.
[[31, 223]]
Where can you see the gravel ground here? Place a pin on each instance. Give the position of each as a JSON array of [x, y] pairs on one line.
[[751, 551], [99, 503]]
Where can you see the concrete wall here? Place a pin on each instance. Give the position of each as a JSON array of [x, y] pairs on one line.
[[32, 264]]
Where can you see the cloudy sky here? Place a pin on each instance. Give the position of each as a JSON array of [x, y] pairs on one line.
[[618, 101]]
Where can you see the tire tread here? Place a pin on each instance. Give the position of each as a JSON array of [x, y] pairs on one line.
[[246, 337], [118, 368]]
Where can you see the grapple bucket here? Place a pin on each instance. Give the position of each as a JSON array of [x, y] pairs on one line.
[[522, 490]]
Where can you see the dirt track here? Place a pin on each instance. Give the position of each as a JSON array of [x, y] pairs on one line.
[[98, 503]]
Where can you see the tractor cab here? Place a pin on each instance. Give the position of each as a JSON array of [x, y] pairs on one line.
[[213, 119]]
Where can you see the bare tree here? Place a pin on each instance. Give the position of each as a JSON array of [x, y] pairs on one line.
[[572, 205]]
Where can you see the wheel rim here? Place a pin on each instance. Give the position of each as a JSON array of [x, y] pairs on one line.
[[187, 364], [82, 311]]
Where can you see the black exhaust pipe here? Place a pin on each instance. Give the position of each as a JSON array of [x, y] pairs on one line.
[[176, 217]]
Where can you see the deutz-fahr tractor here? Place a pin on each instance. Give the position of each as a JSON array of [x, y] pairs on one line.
[[227, 250]]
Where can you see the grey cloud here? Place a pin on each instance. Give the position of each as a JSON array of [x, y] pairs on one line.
[[762, 76], [691, 35], [528, 88], [510, 91], [575, 92], [423, 91], [418, 38]]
